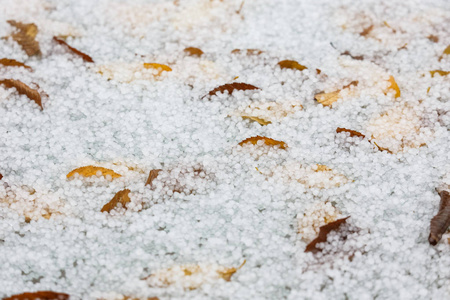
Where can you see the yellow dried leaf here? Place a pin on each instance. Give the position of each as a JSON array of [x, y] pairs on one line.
[[256, 119], [268, 141], [440, 72], [394, 86], [446, 52], [23, 89], [322, 168], [291, 64], [151, 176], [160, 67], [13, 63], [327, 99], [120, 197], [89, 171], [25, 37], [192, 51]]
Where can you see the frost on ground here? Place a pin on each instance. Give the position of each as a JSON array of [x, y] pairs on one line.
[[193, 149]]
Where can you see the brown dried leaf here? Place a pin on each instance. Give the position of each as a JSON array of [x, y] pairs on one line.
[[433, 38], [441, 221], [353, 133], [120, 197], [366, 31], [192, 51], [268, 141], [326, 99], [25, 37], [322, 168], [261, 122], [23, 89], [13, 63], [1, 176], [446, 52], [41, 295], [84, 56], [247, 51], [89, 171], [440, 72], [324, 231], [358, 57], [227, 273], [291, 64], [151, 176], [230, 87]]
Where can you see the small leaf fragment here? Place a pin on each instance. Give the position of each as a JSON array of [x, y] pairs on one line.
[[13, 63], [192, 51], [366, 31], [160, 67], [323, 234], [352, 133], [433, 38], [358, 57], [23, 89], [41, 295], [323, 168], [25, 37], [268, 141], [261, 122], [84, 56], [88, 171], [446, 52], [1, 176], [247, 51], [441, 221], [152, 176], [120, 197], [394, 86], [228, 272], [440, 72], [327, 99], [291, 64], [230, 87]]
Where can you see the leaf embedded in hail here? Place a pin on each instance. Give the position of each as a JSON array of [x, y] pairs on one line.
[[159, 67], [84, 56], [228, 272], [366, 31], [323, 234], [121, 197], [352, 133], [88, 171], [440, 72], [247, 51], [357, 57], [192, 51], [41, 295], [327, 99], [323, 168], [261, 122], [441, 221], [394, 86], [433, 38], [23, 89], [315, 216], [13, 63], [446, 52], [291, 64], [230, 87], [25, 37], [268, 141], [151, 176]]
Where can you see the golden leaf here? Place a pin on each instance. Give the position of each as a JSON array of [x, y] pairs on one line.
[[394, 86], [256, 119], [268, 141], [13, 63], [41, 295], [23, 89], [25, 37], [120, 197], [161, 68], [327, 99], [322, 168], [291, 64], [352, 133], [151, 176], [192, 51], [446, 52], [84, 56], [89, 171], [440, 72]]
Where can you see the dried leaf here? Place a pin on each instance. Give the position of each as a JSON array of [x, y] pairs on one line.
[[389, 26], [315, 216], [41, 295], [394, 86], [89, 171], [291, 64], [151, 176], [366, 31], [23, 89], [256, 119], [323, 168], [358, 57], [25, 37], [327, 99], [433, 38], [353, 133], [446, 52], [13, 63], [120, 197], [268, 141], [247, 51], [440, 222], [230, 87], [191, 51], [227, 273], [84, 56], [1, 176], [324, 231], [158, 67], [440, 72]]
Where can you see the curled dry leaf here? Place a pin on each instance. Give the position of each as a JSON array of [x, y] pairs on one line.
[[88, 171], [327, 99], [440, 222], [440, 72], [446, 52], [159, 67], [192, 51], [13, 63], [357, 57], [41, 295], [121, 197], [151, 176], [268, 141], [354, 133], [230, 87], [247, 51], [291, 64], [261, 122], [323, 234], [23, 89], [84, 56], [314, 217], [394, 86], [190, 276], [25, 37]]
